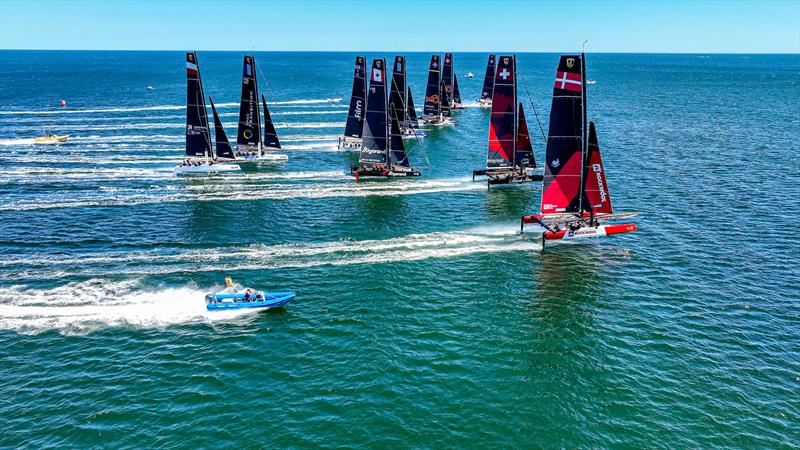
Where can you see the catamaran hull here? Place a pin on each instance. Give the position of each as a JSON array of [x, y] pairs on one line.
[[485, 103], [205, 170], [590, 232], [384, 173], [413, 134], [266, 157]]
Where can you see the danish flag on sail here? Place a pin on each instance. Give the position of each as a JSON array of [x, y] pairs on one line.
[[569, 81]]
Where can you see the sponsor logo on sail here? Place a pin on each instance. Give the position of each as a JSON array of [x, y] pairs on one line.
[[433, 99], [555, 163], [247, 134], [377, 75], [570, 62], [598, 169], [358, 110], [505, 61]]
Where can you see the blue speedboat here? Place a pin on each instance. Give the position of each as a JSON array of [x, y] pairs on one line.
[[235, 297]]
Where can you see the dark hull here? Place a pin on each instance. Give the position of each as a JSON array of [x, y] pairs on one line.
[[508, 178], [359, 173]]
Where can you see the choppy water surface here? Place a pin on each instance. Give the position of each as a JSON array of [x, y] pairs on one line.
[[422, 318]]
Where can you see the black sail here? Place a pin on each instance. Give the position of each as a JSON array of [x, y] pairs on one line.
[[249, 133], [444, 104], [523, 154], [223, 147], [456, 93], [373, 143], [564, 153], [488, 79], [270, 135], [431, 106], [358, 101], [413, 122], [447, 78], [398, 89], [198, 134], [397, 150]]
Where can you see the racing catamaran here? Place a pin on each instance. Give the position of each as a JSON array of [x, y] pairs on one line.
[[575, 196], [399, 95], [432, 113], [510, 157], [250, 146], [450, 83], [354, 127], [382, 151], [488, 83], [200, 159]]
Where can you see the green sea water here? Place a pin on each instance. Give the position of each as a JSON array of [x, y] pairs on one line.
[[422, 319]]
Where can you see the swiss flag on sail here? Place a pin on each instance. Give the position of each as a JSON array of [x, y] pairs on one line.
[[377, 75], [569, 81]]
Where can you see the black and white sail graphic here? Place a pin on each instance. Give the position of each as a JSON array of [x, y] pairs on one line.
[[358, 101], [397, 91], [270, 135], [249, 133], [431, 106], [397, 150], [223, 147], [413, 122], [488, 79], [198, 134], [374, 141]]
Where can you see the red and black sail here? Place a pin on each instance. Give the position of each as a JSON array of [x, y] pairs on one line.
[[523, 155], [488, 79], [358, 100], [198, 134], [597, 198], [270, 135], [503, 122], [223, 147], [564, 163], [398, 89], [431, 106], [374, 142], [249, 133]]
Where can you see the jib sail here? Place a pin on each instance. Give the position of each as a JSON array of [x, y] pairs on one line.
[[373, 143], [398, 89], [523, 155], [488, 79], [198, 135], [597, 198], [413, 122], [503, 122], [249, 133], [397, 150], [270, 135], [431, 106], [456, 93], [564, 153], [223, 147], [358, 101]]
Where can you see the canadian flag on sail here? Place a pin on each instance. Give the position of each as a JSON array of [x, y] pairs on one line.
[[377, 75]]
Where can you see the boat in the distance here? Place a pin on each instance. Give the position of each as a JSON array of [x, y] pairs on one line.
[[200, 159], [354, 127], [382, 153], [400, 98], [469, 75], [250, 147], [235, 296], [432, 113], [488, 83], [51, 139], [575, 197], [510, 159]]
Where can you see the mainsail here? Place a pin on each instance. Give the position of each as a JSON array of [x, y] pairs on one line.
[[523, 153], [488, 79], [397, 150], [198, 134], [355, 116], [223, 147], [502, 122], [597, 197], [431, 106], [270, 135], [564, 155], [456, 93], [373, 143], [398, 89], [249, 133], [447, 78], [444, 104], [413, 122]]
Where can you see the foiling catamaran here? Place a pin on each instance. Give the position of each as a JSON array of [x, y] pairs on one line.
[[575, 196], [400, 100], [200, 158], [383, 153], [435, 110], [354, 127], [488, 83], [510, 159], [250, 145], [450, 82]]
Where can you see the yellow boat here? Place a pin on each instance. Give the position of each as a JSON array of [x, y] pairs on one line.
[[51, 139]]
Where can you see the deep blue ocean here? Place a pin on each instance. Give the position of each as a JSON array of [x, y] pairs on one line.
[[422, 319]]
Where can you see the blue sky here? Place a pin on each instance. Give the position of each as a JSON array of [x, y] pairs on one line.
[[610, 26]]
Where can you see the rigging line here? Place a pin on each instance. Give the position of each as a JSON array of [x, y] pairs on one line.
[[405, 108], [535, 113], [271, 94]]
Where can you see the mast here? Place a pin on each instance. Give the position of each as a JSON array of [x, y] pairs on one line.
[[198, 133], [431, 105], [358, 101], [503, 120], [584, 146], [270, 135], [249, 133], [374, 142], [223, 147]]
